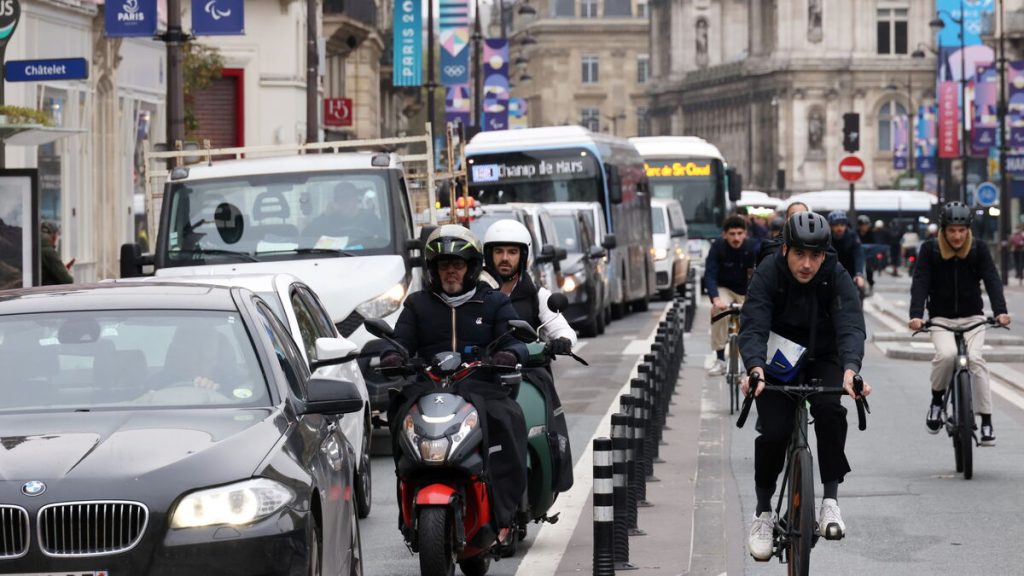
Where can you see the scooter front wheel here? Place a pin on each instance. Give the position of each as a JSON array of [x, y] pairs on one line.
[[437, 544]]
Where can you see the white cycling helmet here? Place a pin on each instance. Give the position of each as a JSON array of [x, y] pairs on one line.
[[508, 232]]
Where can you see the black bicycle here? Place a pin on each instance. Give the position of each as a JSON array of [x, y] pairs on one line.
[[959, 420], [732, 375], [796, 531]]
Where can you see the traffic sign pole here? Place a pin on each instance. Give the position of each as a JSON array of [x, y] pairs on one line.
[[851, 169]]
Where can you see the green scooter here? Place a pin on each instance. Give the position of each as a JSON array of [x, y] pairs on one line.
[[549, 460]]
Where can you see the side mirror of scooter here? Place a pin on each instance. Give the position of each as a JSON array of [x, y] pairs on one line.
[[385, 332], [522, 331], [558, 302]]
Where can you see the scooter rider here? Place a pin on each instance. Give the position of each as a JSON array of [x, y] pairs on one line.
[[462, 314], [507, 253], [948, 274], [800, 298]]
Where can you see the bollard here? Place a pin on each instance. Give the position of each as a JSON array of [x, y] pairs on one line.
[[627, 405], [604, 515], [620, 423], [638, 389], [650, 455]]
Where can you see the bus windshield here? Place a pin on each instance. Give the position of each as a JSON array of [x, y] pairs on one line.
[[275, 216], [566, 175], [698, 185]]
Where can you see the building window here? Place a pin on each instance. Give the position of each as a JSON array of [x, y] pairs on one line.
[[643, 121], [886, 127], [588, 8], [590, 118], [643, 68], [892, 30], [641, 9], [618, 8], [564, 8], [590, 66]]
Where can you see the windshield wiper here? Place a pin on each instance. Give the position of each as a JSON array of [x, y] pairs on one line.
[[218, 252], [329, 251]]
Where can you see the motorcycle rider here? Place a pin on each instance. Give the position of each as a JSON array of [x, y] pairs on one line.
[[460, 313], [947, 276], [802, 295], [847, 245], [507, 253]]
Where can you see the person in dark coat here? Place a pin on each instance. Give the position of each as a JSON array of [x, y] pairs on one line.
[[802, 298], [52, 269], [948, 275], [727, 269], [847, 246], [461, 314]]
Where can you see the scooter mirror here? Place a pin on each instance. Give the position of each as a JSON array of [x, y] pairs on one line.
[[558, 302], [378, 328], [522, 331]]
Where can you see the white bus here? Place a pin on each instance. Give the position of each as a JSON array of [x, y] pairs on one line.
[[897, 208], [573, 164]]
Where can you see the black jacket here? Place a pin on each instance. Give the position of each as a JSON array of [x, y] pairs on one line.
[[850, 252], [777, 302], [952, 287], [524, 300], [729, 267], [428, 325]]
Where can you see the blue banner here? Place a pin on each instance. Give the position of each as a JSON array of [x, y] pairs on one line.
[[454, 42], [55, 69], [123, 18], [974, 11], [495, 84], [218, 17], [408, 43]]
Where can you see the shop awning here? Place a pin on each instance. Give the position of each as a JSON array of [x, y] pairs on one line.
[[33, 134]]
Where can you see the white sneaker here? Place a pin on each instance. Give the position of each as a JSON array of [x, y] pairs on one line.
[[717, 369], [830, 520], [759, 543]]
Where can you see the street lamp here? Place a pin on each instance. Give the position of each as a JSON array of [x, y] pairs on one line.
[[937, 25], [1005, 226], [917, 54]]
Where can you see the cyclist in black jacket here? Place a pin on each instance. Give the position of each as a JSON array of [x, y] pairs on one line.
[[947, 276], [727, 269], [847, 245], [801, 294]]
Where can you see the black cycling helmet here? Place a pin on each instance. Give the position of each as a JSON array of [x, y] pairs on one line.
[[808, 230], [452, 241], [956, 214], [862, 219]]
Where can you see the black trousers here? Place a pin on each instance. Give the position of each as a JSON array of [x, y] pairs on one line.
[[775, 414]]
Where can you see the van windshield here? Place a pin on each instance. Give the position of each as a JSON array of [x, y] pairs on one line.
[[279, 216]]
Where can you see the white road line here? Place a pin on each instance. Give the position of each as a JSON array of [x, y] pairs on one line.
[[1011, 395], [551, 541]]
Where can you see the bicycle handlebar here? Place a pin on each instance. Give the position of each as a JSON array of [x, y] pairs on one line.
[[733, 309], [929, 324], [858, 387]]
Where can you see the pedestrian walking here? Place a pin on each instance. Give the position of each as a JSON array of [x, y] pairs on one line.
[[53, 270]]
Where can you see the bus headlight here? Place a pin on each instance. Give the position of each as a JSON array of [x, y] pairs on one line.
[[383, 305]]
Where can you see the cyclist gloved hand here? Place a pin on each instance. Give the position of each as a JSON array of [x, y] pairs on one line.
[[560, 346], [504, 358]]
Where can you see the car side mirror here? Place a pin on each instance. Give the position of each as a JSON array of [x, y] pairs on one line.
[[546, 254], [614, 183], [609, 241], [133, 261], [558, 302], [522, 331], [331, 351], [597, 252], [560, 254], [331, 396], [735, 184]]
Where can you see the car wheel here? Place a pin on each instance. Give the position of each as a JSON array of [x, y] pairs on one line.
[[355, 557], [364, 476]]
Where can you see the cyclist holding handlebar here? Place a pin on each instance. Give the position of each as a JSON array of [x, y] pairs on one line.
[[958, 264], [802, 319]]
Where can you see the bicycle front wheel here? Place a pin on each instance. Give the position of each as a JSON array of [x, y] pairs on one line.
[[965, 424], [801, 513]]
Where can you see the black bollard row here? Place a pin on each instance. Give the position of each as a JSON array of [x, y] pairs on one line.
[[638, 388], [620, 441], [604, 513], [627, 406]]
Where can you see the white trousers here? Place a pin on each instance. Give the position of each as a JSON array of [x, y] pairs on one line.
[[944, 362], [720, 329]]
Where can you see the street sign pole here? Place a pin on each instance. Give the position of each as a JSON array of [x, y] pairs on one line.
[[852, 216]]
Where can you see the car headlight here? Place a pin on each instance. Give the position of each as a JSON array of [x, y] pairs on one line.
[[433, 451], [236, 504], [573, 281], [660, 254], [383, 305]]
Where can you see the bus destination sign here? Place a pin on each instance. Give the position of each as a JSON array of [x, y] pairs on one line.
[[678, 169], [523, 169]]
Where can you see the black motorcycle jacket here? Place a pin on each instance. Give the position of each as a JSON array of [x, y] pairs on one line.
[[823, 315], [428, 325]]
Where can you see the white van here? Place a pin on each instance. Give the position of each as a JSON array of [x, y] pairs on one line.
[[671, 258]]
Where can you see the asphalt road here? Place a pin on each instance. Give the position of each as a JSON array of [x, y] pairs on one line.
[[586, 394]]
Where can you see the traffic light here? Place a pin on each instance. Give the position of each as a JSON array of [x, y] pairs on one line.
[[851, 132]]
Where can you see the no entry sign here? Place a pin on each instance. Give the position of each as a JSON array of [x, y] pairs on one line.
[[851, 168]]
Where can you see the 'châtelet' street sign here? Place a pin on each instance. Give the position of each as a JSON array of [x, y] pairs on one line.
[[851, 169]]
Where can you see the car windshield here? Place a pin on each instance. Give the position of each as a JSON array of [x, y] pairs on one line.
[[479, 225], [277, 216], [128, 359], [658, 219], [565, 227]]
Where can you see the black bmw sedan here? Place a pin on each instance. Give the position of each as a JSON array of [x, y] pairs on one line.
[[168, 430]]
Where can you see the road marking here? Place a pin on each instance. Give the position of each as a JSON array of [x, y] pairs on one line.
[[551, 541]]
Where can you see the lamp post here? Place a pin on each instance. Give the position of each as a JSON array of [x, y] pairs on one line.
[[1005, 227], [937, 25]]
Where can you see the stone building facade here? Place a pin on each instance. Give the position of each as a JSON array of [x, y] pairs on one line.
[[590, 64], [768, 82]]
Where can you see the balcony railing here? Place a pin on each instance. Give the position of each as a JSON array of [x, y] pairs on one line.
[[364, 11]]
